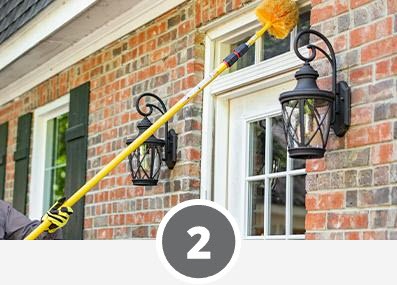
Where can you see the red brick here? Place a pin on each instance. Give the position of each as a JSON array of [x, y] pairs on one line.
[[356, 220], [325, 201], [383, 69], [341, 6], [375, 235], [384, 28], [184, 28], [220, 8], [104, 233], [193, 154], [319, 14], [160, 53], [87, 223], [361, 115], [369, 135], [198, 13], [378, 49], [361, 75], [170, 62], [357, 3], [352, 235], [310, 236], [382, 153], [195, 67], [391, 7], [315, 221], [311, 202], [335, 143], [340, 43], [394, 65], [362, 35], [359, 95], [316, 2], [313, 165]]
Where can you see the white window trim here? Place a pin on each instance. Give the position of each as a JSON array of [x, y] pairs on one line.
[[41, 116], [216, 98]]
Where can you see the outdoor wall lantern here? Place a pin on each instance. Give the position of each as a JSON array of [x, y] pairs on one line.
[[309, 112], [145, 161]]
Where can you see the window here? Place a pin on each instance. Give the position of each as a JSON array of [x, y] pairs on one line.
[[245, 165], [267, 47], [48, 169], [276, 183], [55, 160]]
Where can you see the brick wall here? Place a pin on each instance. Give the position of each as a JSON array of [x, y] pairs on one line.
[[352, 192], [165, 57]]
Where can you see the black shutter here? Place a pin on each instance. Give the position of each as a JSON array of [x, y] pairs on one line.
[[3, 157], [21, 158], [76, 149]]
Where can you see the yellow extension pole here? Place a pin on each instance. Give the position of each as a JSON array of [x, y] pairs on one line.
[[142, 138]]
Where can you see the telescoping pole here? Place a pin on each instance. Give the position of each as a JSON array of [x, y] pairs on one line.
[[282, 9]]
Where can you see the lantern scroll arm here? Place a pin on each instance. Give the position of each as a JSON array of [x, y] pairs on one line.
[[151, 107], [331, 56], [171, 136], [342, 113]]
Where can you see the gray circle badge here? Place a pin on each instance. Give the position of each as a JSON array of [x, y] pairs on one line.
[[198, 240]]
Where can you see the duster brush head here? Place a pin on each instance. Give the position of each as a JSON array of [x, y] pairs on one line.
[[281, 14]]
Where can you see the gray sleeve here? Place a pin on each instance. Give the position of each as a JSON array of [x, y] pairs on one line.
[[17, 226]]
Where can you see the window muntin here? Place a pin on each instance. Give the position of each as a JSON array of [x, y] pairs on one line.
[[55, 160], [267, 47], [276, 186]]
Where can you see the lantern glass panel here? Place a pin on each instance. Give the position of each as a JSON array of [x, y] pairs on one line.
[[308, 122], [145, 162]]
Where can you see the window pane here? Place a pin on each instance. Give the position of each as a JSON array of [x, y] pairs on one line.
[[256, 207], [62, 125], [247, 60], [279, 151], [303, 24], [277, 209], [257, 147], [299, 208], [58, 184], [273, 47], [55, 160]]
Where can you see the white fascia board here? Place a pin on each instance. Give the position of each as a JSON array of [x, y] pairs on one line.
[[43, 25], [132, 19]]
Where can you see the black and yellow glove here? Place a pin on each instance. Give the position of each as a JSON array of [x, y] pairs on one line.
[[57, 215]]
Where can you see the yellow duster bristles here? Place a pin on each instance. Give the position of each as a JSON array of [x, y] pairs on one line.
[[281, 14]]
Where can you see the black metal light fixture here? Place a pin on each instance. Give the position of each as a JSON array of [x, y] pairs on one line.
[[308, 111], [145, 161]]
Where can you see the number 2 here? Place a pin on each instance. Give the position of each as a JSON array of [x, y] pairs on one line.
[[195, 252]]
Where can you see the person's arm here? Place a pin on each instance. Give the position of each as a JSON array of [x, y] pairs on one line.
[[17, 226]]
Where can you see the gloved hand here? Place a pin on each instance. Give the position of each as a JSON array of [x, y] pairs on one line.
[[57, 215]]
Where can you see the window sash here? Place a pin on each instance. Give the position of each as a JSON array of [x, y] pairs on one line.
[[224, 44], [42, 115], [52, 144], [288, 174]]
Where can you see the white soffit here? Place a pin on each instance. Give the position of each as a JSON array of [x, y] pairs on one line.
[[102, 22]]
